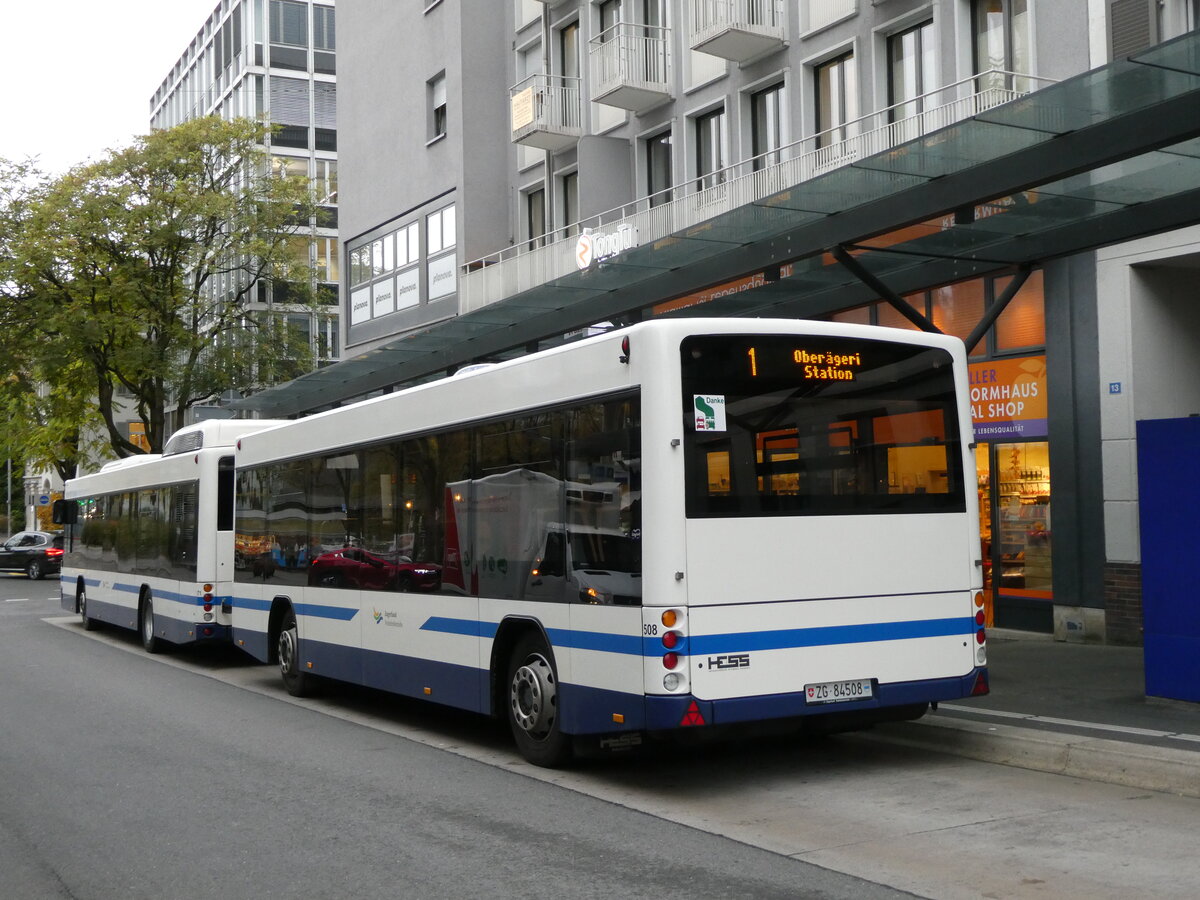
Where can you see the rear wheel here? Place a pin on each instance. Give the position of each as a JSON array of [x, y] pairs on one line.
[[298, 682], [532, 708], [34, 570], [150, 640], [89, 624]]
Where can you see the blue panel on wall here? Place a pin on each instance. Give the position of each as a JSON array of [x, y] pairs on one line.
[[1169, 511]]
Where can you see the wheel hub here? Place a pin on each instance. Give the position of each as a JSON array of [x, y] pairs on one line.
[[287, 652], [532, 696]]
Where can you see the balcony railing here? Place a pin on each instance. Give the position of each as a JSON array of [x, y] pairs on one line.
[[629, 66], [655, 217], [546, 112], [738, 30]]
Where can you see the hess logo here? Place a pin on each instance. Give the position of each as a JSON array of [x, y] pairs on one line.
[[730, 661]]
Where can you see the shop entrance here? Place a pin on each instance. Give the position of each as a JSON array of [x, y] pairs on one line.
[[1016, 534]]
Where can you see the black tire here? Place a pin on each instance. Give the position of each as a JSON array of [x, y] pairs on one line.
[[151, 641], [34, 570], [531, 704], [297, 682], [89, 624]]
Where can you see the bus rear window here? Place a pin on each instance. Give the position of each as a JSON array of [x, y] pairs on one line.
[[809, 425]]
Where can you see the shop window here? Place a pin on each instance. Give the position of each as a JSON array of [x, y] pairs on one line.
[[1023, 322], [957, 309], [859, 315], [890, 317]]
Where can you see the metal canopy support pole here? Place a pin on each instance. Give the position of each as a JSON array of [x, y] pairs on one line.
[[902, 306], [993, 312]]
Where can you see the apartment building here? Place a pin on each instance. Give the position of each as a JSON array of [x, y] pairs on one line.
[[1014, 172], [275, 60]]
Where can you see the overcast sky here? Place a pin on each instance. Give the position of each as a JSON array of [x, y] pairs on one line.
[[80, 73]]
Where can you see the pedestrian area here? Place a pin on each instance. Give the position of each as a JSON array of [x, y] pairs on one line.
[[1071, 709]]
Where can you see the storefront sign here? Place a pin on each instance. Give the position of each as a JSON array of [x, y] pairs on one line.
[[522, 109], [594, 247], [360, 305], [1008, 398], [384, 298], [748, 283], [443, 276], [408, 288]]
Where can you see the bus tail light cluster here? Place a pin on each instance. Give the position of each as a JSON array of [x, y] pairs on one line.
[[980, 632], [672, 643], [208, 598]]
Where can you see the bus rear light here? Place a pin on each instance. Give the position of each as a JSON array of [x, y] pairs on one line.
[[980, 618], [672, 681], [208, 588], [979, 599], [670, 660], [671, 639], [206, 631], [980, 636], [670, 617], [981, 685]]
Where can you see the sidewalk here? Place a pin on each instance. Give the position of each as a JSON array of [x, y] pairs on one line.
[[1072, 709]]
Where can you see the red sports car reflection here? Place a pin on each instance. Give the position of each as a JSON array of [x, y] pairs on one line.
[[352, 567]]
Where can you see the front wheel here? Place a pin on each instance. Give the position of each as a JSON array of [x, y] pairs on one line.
[[34, 570], [297, 682], [533, 710], [150, 640]]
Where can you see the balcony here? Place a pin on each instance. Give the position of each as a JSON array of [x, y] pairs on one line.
[[546, 112], [744, 184], [629, 66], [738, 30]]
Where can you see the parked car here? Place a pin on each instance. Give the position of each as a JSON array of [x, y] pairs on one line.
[[354, 567], [36, 553]]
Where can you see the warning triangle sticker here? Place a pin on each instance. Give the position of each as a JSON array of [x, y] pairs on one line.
[[692, 716]]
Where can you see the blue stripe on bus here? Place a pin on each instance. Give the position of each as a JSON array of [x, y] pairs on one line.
[[792, 638], [316, 610], [788, 639]]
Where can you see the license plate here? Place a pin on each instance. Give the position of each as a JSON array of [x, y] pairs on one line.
[[838, 691]]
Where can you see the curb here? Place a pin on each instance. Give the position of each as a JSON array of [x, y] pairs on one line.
[[1140, 766]]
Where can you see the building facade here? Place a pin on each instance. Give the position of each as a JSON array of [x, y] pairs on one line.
[[275, 60], [490, 145]]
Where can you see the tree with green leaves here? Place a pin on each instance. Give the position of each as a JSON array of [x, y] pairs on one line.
[[126, 284]]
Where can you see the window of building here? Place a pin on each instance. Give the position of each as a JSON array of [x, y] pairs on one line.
[[535, 218], [324, 31], [837, 99], [289, 23], [658, 168], [957, 309], [570, 203], [436, 90], [710, 149], [1002, 43], [1023, 322], [440, 230], [327, 181], [327, 259], [910, 69], [568, 50], [610, 15], [767, 126]]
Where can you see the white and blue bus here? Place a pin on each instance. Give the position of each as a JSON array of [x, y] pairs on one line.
[[689, 523], [149, 539]]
